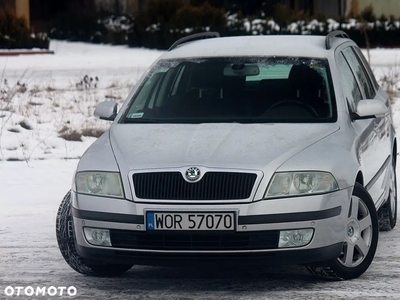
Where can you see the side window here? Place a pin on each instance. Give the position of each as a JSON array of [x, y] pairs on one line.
[[177, 81], [367, 67], [360, 73], [350, 87]]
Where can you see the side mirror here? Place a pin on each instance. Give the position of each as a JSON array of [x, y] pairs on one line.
[[368, 109], [106, 110]]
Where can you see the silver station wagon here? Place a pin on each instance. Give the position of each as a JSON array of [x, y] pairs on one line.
[[239, 150]]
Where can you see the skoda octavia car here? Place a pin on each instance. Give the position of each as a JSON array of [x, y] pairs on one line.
[[239, 150]]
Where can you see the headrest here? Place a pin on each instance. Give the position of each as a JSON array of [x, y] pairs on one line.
[[304, 78], [207, 76]]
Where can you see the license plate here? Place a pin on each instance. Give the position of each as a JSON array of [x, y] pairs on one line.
[[190, 221]]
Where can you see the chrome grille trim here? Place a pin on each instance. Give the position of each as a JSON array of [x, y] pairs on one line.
[[213, 186]]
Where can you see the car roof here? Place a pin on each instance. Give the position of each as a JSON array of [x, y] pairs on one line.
[[266, 45]]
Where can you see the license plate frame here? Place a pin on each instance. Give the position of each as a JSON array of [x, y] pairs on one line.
[[201, 218]]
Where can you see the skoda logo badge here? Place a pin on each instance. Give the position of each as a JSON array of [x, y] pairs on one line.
[[192, 174]]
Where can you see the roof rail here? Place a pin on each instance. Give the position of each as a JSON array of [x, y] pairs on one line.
[[336, 33], [193, 37]]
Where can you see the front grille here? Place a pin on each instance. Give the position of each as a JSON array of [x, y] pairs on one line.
[[255, 240], [213, 186]]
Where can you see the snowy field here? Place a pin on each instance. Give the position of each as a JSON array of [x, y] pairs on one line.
[[45, 99]]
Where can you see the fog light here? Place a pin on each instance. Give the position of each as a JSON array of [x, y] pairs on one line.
[[98, 237], [295, 238]]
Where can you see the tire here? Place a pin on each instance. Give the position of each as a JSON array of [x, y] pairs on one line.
[[360, 243], [66, 243], [387, 215]]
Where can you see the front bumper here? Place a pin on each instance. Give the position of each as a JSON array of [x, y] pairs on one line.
[[299, 257], [326, 214]]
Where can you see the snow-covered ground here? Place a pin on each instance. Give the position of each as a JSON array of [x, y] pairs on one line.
[[30, 195], [43, 97], [46, 99]]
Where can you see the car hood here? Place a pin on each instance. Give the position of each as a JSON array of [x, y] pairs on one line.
[[222, 145]]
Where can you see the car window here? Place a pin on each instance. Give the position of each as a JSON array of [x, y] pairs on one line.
[[367, 67], [360, 72], [349, 84], [147, 90], [235, 89]]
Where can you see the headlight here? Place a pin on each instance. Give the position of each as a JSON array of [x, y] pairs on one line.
[[99, 183], [300, 183]]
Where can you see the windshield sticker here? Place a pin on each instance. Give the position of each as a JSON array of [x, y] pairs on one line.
[[135, 115]]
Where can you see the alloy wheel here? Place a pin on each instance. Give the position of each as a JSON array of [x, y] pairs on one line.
[[358, 234]]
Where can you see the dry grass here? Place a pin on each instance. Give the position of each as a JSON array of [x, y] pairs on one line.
[[50, 89], [64, 129], [33, 103], [33, 91], [95, 132], [390, 80], [21, 88], [71, 135], [66, 112]]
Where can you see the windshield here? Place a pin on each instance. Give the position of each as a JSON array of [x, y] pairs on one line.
[[243, 90]]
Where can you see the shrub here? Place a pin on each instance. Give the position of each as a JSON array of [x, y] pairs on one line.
[[284, 15], [92, 28], [367, 14], [166, 21], [199, 17], [14, 33], [77, 27], [117, 29]]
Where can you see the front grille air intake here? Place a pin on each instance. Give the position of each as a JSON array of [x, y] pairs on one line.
[[254, 240], [213, 186]]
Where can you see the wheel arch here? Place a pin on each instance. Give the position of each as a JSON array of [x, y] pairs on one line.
[[360, 178]]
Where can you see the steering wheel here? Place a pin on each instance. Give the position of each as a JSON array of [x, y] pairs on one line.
[[308, 107]]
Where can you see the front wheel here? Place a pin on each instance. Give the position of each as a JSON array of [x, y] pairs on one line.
[[360, 241], [66, 243]]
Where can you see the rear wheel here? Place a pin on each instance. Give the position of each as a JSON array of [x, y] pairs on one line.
[[360, 241], [388, 212], [66, 243]]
